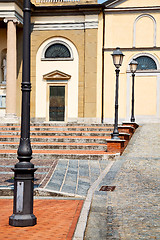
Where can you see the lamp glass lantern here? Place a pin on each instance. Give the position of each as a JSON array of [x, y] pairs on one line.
[[133, 66], [117, 56]]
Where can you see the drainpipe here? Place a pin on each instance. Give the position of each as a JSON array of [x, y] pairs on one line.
[[102, 112]]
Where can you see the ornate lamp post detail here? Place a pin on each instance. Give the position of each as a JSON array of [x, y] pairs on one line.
[[133, 67], [24, 170], [117, 60]]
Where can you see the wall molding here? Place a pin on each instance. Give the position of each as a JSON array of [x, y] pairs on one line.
[[134, 28], [64, 26]]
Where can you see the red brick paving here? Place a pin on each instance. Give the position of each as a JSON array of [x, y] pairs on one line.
[[56, 220], [59, 151], [58, 143], [85, 137]]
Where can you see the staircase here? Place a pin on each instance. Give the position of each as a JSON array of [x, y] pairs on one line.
[[58, 141], [53, 142]]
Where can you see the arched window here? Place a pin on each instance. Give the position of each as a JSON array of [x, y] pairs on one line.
[[146, 63], [57, 50]]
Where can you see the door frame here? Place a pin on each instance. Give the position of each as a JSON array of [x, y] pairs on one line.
[[66, 100]]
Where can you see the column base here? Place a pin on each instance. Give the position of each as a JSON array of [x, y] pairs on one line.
[[18, 220], [115, 145], [10, 118]]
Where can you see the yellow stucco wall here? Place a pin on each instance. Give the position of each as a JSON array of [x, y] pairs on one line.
[[136, 33], [99, 68], [145, 95], [120, 29], [139, 3]]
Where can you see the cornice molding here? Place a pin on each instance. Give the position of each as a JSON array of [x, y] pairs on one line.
[[11, 14], [18, 2], [133, 49], [128, 9]]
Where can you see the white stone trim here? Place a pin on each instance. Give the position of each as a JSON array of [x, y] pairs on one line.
[[64, 26], [11, 14], [134, 28]]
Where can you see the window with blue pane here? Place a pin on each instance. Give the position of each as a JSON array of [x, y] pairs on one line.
[[146, 63]]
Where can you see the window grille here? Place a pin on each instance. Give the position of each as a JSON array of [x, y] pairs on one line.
[[146, 63], [57, 50]]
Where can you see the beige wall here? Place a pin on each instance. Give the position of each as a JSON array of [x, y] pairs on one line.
[[136, 33], [139, 3], [147, 89], [99, 69]]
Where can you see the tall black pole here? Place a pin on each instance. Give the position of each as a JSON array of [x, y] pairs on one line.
[[132, 112], [115, 134], [24, 170]]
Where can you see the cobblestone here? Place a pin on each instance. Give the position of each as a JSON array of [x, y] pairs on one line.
[[131, 211]]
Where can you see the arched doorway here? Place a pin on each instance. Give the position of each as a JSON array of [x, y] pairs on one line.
[[57, 81]]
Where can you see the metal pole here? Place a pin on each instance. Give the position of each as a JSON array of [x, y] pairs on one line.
[[132, 113], [24, 170], [115, 134]]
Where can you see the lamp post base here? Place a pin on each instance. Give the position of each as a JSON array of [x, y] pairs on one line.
[[23, 196], [18, 220]]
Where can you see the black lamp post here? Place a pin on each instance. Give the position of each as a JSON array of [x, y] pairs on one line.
[[133, 67], [24, 170], [117, 60]]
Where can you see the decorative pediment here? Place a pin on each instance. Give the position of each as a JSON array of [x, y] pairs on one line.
[[56, 75]]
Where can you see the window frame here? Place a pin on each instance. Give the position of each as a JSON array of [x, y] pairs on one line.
[[145, 71], [149, 69], [57, 59]]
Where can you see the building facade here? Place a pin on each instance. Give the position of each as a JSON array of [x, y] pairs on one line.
[[72, 72], [134, 26]]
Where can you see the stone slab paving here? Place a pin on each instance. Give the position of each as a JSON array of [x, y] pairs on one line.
[[75, 177], [132, 210], [42, 175]]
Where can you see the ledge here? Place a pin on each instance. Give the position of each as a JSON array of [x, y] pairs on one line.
[[116, 145]]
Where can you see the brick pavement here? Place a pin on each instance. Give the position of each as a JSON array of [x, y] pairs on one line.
[[131, 211], [56, 219]]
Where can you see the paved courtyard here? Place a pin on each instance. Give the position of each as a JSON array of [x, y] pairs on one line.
[[132, 210]]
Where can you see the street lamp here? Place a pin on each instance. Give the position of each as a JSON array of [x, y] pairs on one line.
[[133, 67], [24, 170], [117, 60]]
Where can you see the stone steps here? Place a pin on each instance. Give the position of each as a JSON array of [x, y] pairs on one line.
[[59, 128], [56, 145], [62, 154], [57, 133], [64, 139], [61, 141]]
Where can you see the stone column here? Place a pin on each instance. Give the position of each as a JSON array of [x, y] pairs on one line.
[[11, 68]]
